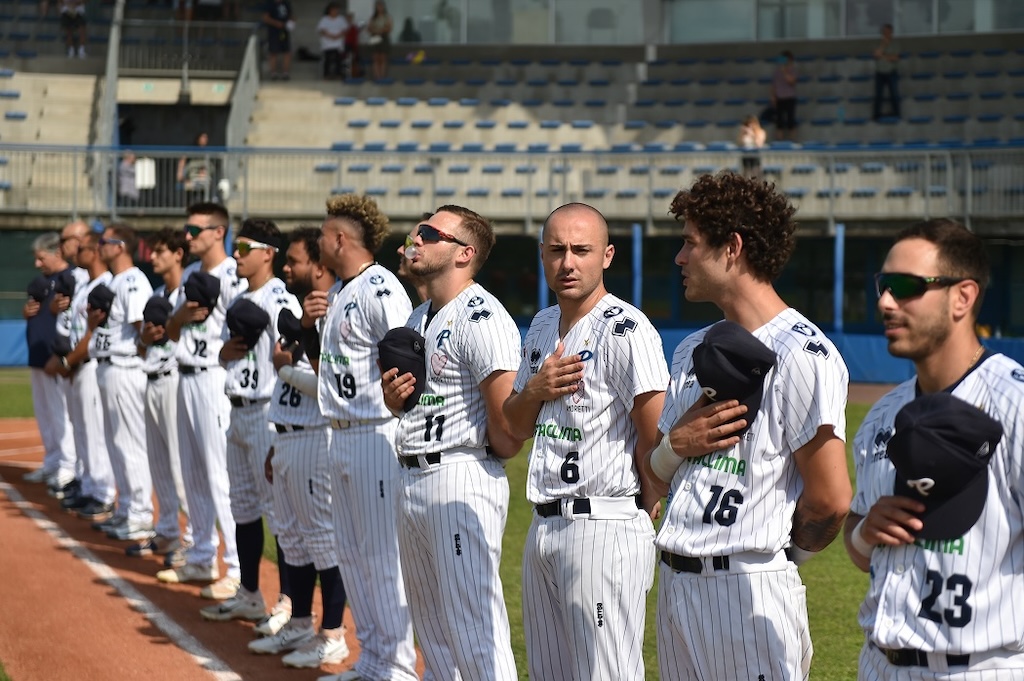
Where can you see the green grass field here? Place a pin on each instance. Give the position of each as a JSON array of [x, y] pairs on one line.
[[834, 586]]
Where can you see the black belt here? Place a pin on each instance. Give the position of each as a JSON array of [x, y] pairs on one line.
[[156, 376], [103, 360], [285, 428], [246, 402], [579, 506], [187, 370], [85, 361], [692, 565], [906, 657], [432, 459]]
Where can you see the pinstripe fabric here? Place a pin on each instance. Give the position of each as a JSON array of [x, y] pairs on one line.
[[164, 459], [872, 666], [84, 405], [742, 500], [50, 406], [203, 412], [960, 596], [364, 480], [302, 497], [451, 519], [123, 390], [116, 338], [200, 343], [249, 437], [585, 585]]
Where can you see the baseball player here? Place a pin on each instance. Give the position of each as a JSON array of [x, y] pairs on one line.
[[114, 346], [942, 539], [589, 391], [49, 393], [355, 315], [247, 353], [168, 247], [203, 406], [96, 500], [453, 499], [301, 472], [757, 472]]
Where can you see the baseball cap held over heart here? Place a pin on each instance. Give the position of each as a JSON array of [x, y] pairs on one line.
[[941, 450], [731, 364], [404, 348]]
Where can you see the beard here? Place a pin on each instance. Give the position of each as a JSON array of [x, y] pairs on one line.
[[927, 336], [300, 288]]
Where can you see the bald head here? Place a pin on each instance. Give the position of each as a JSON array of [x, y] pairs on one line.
[[583, 217], [71, 238], [575, 253]]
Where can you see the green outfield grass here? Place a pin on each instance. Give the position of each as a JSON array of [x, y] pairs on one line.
[[834, 586]]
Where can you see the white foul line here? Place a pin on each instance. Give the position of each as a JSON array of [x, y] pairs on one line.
[[184, 640]]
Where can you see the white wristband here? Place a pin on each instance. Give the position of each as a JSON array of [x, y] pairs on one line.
[[857, 541], [798, 555], [664, 460]]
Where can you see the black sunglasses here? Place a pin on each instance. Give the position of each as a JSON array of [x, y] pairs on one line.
[[195, 230], [903, 286], [433, 235]]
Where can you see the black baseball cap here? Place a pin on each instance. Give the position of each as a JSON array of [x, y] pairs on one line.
[[101, 298], [202, 288], [731, 364], [38, 288], [404, 348], [156, 312], [289, 327], [64, 282], [941, 450], [248, 320]]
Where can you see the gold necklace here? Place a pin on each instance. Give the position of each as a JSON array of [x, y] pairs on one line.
[[977, 354]]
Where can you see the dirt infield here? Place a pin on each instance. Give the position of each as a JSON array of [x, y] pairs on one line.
[[63, 620]]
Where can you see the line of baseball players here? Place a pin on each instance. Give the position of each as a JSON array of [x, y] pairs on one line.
[[391, 485]]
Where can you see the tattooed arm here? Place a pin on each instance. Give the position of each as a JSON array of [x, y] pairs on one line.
[[825, 501]]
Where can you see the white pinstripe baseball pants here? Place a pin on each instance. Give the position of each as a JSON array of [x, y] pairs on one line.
[[164, 457], [1001, 665], [248, 440], [302, 497], [450, 523], [123, 390], [50, 405], [202, 438], [365, 476], [90, 434]]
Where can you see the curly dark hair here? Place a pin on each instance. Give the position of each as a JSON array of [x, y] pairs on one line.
[[961, 252], [173, 239], [310, 237], [364, 212], [727, 203]]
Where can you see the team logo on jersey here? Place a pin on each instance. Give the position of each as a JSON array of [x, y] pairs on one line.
[[579, 393], [349, 307], [586, 356], [804, 330], [534, 360], [1017, 375], [437, 362], [612, 311], [376, 280], [480, 314], [623, 327], [383, 293], [880, 446], [475, 301], [442, 337], [922, 486], [816, 348]]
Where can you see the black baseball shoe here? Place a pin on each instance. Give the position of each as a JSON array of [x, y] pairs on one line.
[[97, 511], [75, 503]]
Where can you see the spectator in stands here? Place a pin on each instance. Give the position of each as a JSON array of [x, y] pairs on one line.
[[784, 97], [379, 28], [351, 54], [887, 55], [72, 20], [195, 173], [409, 33], [280, 22], [127, 190], [751, 139], [332, 29]]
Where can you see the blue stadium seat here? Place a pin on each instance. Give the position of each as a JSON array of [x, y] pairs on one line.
[[644, 103], [735, 101], [705, 170], [537, 82], [472, 147], [561, 169], [830, 78], [954, 75], [906, 166], [627, 193], [550, 124], [634, 124], [390, 123], [15, 115], [476, 82], [493, 169], [992, 95], [688, 146], [485, 124], [422, 124], [640, 170], [458, 169], [990, 117], [608, 170], [438, 101], [829, 192], [526, 169], [344, 101], [343, 190], [341, 146], [958, 96], [517, 125], [899, 192], [563, 103], [595, 103], [696, 123], [325, 168], [501, 102], [453, 124], [742, 80], [831, 99], [444, 191], [985, 75], [360, 167], [925, 97], [374, 146], [410, 191], [796, 192], [655, 147], [407, 101], [376, 101], [937, 190], [663, 193], [920, 120], [392, 168], [674, 103], [595, 193], [922, 75], [955, 118], [478, 192], [720, 146], [445, 81], [864, 193], [407, 146], [823, 122], [599, 82], [860, 78], [469, 101], [870, 167], [505, 147], [439, 146], [705, 101], [665, 124], [511, 193], [582, 124], [9, 94], [359, 123], [423, 169], [804, 169], [544, 193], [537, 148]]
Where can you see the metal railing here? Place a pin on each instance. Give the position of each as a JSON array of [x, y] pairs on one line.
[[212, 48], [830, 185]]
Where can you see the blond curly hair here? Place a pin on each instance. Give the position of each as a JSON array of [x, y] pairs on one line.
[[364, 212]]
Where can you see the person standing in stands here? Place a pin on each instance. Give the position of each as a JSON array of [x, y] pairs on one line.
[[332, 28], [784, 97], [379, 29], [280, 21], [887, 56]]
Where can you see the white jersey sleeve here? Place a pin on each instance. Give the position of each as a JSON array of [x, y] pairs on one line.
[[117, 338], [290, 406], [160, 358], [743, 498], [584, 444], [958, 596], [199, 344], [359, 314], [78, 319], [253, 376], [467, 340]]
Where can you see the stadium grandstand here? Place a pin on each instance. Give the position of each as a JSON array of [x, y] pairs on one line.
[[514, 107]]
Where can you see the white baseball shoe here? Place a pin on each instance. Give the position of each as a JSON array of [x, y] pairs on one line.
[[222, 589], [350, 675], [321, 649], [294, 634], [244, 605], [189, 572], [279, 616]]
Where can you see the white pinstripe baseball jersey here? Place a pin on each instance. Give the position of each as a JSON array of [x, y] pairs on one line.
[[199, 344], [73, 322], [253, 376], [288, 405], [160, 358], [961, 595], [467, 340], [743, 498], [361, 311], [584, 443], [117, 337], [81, 276]]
